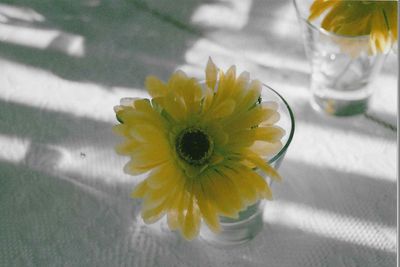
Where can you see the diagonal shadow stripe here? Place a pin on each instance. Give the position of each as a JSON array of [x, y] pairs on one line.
[[307, 249], [123, 44], [49, 127], [43, 214], [382, 120], [350, 194], [180, 24], [356, 124]]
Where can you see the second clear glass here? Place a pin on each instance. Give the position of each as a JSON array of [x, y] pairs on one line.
[[342, 69]]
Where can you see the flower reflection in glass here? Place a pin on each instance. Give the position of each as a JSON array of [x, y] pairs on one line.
[[378, 19], [200, 145]]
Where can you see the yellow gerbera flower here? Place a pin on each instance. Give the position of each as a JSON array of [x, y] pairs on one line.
[[200, 145], [378, 19]]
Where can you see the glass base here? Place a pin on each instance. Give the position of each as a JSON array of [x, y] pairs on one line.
[[235, 232], [339, 107]]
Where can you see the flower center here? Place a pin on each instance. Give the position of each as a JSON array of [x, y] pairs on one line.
[[194, 146]]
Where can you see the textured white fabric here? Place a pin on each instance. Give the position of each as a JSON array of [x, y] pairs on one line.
[[64, 200]]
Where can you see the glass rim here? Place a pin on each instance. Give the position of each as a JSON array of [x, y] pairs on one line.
[[322, 30], [283, 150]]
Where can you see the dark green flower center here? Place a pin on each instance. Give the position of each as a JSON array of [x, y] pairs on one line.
[[194, 146]]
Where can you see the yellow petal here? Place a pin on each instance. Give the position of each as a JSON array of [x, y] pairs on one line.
[[262, 164], [191, 93], [252, 118], [393, 20], [131, 117], [123, 113], [155, 87], [225, 196], [132, 169], [354, 28], [208, 100], [252, 181], [242, 183], [248, 164], [207, 209], [172, 219], [143, 105], [216, 158], [259, 183], [379, 33], [226, 84], [243, 138], [177, 81], [318, 7], [269, 133], [219, 136], [161, 195], [251, 96], [211, 74], [265, 149], [241, 84], [152, 215], [128, 147], [191, 225], [148, 133], [140, 190], [174, 211], [149, 156], [272, 118], [182, 209], [334, 14], [224, 109], [165, 174], [175, 106]]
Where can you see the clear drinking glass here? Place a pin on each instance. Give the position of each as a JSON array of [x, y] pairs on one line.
[[342, 70], [250, 222]]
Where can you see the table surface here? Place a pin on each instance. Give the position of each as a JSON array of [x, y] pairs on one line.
[[64, 200]]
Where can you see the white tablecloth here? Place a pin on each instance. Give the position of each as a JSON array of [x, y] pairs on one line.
[[64, 200]]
